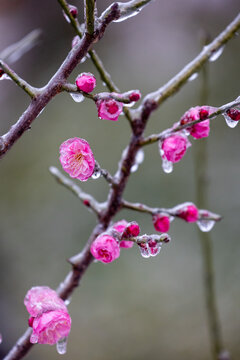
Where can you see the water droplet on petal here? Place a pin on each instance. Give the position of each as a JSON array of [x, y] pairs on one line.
[[144, 250], [205, 225], [193, 76], [77, 97], [167, 166], [216, 54], [96, 174], [231, 123], [62, 346]]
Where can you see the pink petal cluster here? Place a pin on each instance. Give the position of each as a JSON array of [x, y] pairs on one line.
[[161, 222], [49, 316], [86, 82], [135, 96], [77, 158], [201, 129], [188, 213], [174, 147], [109, 109], [105, 248], [234, 114]]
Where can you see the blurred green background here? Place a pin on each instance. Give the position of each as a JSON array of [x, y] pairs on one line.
[[134, 308]]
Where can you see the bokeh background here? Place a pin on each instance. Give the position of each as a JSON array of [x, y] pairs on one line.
[[133, 308]]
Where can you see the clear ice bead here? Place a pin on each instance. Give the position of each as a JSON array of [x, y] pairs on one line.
[[144, 250], [205, 225], [96, 174], [138, 160], [193, 76], [216, 54], [77, 97], [231, 123], [167, 166], [62, 346]]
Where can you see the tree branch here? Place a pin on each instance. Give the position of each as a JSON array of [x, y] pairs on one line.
[[154, 99], [156, 137], [89, 8]]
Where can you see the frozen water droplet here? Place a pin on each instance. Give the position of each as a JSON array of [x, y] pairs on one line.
[[1, 338], [5, 77], [167, 166], [67, 301], [83, 59], [231, 123], [205, 225], [216, 54], [66, 17], [154, 247], [144, 250], [193, 76], [96, 174], [104, 84], [34, 338], [131, 104], [77, 97], [138, 160], [127, 12], [62, 346]]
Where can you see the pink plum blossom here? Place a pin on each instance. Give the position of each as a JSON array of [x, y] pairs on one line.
[[161, 222], [49, 315], [105, 248], [109, 109], [188, 213], [86, 82], [174, 147], [50, 327], [40, 299], [77, 158], [201, 129]]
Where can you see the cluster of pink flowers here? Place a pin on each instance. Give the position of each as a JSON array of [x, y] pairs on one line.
[[77, 158], [49, 319], [106, 247]]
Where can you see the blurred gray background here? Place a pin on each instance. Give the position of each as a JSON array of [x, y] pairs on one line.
[[134, 308]]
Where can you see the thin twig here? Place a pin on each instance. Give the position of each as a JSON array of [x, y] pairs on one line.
[[89, 10], [87, 199], [154, 99], [156, 137]]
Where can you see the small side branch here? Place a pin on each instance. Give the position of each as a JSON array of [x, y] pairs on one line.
[[154, 99], [31, 91], [89, 8], [156, 137], [87, 199]]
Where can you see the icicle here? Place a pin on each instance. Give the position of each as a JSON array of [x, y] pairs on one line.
[[62, 346], [77, 97], [193, 76], [205, 225], [167, 166], [216, 54], [231, 123]]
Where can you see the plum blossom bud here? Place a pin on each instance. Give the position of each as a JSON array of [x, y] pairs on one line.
[[234, 114], [161, 222], [77, 158], [105, 248], [109, 109], [49, 316], [201, 129], [73, 11], [174, 147], [126, 230], [86, 82], [188, 212], [135, 95]]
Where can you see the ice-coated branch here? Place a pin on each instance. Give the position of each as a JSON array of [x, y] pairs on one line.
[[154, 99], [87, 199], [104, 173], [171, 211], [55, 85], [143, 239], [31, 91], [156, 137], [89, 9]]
